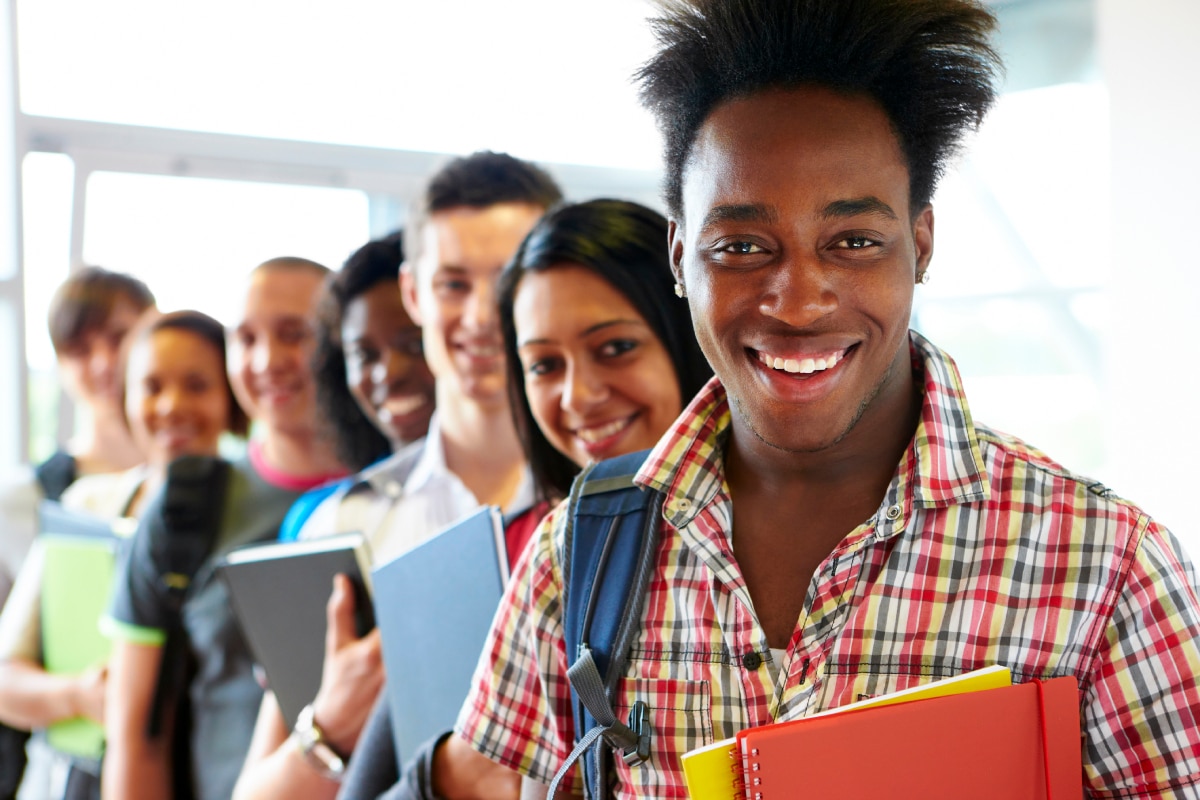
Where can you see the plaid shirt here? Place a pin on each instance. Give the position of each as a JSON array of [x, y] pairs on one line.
[[983, 551]]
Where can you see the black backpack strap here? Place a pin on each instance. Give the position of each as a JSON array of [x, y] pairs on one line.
[[609, 555], [55, 474], [182, 533]]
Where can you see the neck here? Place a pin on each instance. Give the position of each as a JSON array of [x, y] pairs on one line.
[[482, 449], [860, 466], [104, 445], [300, 453]]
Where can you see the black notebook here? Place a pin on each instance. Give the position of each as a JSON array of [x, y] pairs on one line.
[[435, 605], [279, 592]]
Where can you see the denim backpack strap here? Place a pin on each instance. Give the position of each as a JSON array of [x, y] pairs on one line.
[[608, 558]]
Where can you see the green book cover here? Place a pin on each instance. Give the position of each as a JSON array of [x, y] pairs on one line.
[[76, 584]]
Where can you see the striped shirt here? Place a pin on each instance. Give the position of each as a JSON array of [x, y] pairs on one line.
[[983, 551]]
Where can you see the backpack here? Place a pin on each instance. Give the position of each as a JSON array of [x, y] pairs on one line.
[[182, 535], [608, 558]]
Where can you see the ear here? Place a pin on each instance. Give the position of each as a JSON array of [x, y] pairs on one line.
[[408, 291], [923, 240], [675, 249]]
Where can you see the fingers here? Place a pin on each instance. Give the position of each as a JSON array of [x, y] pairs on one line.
[[339, 616]]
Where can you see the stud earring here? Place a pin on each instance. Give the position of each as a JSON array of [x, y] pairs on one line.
[[923, 278], [679, 290]]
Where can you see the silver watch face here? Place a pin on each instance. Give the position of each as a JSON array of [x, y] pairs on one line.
[[313, 747]]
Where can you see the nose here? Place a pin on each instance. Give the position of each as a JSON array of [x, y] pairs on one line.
[[102, 360], [583, 389], [799, 292], [392, 367], [168, 402], [269, 355], [480, 312]]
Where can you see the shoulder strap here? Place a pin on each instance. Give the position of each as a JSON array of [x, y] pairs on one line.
[[55, 474], [608, 557], [182, 535]]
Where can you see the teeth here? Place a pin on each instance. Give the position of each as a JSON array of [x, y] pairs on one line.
[[593, 435], [805, 366], [399, 406]]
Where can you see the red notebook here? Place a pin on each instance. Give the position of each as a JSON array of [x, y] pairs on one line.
[[985, 745]]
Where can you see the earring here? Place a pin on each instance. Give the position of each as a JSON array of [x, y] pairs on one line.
[[679, 290], [923, 277]]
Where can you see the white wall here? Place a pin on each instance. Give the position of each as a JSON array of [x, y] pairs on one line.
[[1151, 64]]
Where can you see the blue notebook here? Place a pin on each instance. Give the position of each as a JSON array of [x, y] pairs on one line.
[[434, 606]]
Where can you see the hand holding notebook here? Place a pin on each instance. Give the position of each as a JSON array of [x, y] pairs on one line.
[[279, 592]]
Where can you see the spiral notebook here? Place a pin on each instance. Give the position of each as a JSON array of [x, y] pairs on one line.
[[708, 769], [1013, 743]]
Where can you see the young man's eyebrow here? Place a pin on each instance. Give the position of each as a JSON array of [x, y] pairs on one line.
[[858, 205], [742, 212]]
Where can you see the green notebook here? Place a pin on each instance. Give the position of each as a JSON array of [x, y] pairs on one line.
[[77, 581]]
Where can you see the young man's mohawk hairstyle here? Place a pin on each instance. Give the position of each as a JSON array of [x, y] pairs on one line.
[[927, 62]]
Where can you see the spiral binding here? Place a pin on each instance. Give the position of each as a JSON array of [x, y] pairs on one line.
[[742, 769]]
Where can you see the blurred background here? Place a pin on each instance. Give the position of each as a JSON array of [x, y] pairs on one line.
[[187, 141]]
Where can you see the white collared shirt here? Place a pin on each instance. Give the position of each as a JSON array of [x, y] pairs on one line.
[[404, 500]]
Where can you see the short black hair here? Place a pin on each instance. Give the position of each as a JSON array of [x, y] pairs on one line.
[[624, 243], [83, 303], [357, 443], [200, 325], [928, 63], [480, 180]]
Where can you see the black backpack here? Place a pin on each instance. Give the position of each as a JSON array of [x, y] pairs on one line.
[[182, 535]]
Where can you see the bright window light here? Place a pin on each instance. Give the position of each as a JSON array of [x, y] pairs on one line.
[[193, 241], [1019, 278], [543, 79]]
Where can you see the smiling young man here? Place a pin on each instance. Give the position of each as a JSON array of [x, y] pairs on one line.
[[468, 222], [835, 525]]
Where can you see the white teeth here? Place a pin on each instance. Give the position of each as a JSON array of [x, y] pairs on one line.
[[805, 366], [482, 351], [399, 406], [593, 435]]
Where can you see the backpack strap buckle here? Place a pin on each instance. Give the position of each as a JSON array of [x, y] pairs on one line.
[[639, 723]]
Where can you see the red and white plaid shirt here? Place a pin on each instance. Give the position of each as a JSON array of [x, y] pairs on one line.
[[983, 551]]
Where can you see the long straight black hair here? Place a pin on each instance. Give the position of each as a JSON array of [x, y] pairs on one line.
[[624, 243]]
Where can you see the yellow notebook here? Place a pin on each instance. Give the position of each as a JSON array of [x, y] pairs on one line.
[[709, 771]]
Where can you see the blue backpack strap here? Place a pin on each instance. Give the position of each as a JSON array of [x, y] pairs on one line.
[[609, 555]]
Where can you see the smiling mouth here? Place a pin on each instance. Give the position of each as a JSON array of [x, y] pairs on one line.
[[402, 406], [482, 351], [802, 366], [593, 434]]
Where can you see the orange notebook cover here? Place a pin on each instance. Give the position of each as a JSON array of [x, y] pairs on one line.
[[985, 745]]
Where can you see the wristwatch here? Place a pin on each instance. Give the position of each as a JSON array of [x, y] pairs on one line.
[[316, 751]]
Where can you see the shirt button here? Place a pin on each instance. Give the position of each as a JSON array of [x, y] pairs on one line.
[[684, 504], [752, 660], [893, 512], [393, 489]]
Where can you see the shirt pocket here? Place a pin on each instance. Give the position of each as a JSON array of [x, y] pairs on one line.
[[681, 720]]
